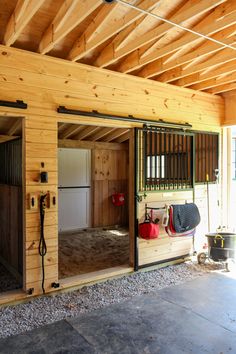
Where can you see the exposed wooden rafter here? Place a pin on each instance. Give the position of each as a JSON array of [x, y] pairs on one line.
[[224, 56], [208, 84], [5, 138], [82, 47], [207, 26], [223, 88], [24, 11], [70, 15], [14, 127], [192, 79], [73, 129], [115, 135], [110, 54], [86, 132]]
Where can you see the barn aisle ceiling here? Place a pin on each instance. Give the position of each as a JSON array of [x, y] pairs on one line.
[[123, 39]]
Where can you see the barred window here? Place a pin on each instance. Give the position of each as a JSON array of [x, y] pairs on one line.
[[170, 160]]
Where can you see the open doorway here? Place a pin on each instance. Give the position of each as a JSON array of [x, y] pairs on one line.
[[11, 201], [93, 177]]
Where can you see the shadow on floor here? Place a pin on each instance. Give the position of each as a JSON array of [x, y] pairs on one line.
[[196, 317]]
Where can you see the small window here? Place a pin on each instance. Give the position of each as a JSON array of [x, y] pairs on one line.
[[155, 167]]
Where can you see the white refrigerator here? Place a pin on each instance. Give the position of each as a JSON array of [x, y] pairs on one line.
[[74, 191]]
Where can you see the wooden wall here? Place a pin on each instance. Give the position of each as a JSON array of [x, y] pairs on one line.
[[230, 108], [110, 175], [11, 233], [44, 83]]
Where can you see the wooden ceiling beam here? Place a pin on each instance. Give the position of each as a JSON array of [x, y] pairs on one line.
[[115, 134], [227, 68], [101, 133], [200, 53], [208, 84], [23, 13], [222, 88], [223, 56], [208, 26], [72, 129], [62, 126], [70, 15], [86, 132], [95, 26], [81, 47], [110, 54], [153, 69], [14, 127], [123, 138], [5, 138]]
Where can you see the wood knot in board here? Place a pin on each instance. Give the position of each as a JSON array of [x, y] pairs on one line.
[[4, 53], [146, 92]]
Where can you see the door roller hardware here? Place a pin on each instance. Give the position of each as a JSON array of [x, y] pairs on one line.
[[51, 200], [17, 104]]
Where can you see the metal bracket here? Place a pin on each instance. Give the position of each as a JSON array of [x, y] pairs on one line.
[[17, 104], [139, 198]]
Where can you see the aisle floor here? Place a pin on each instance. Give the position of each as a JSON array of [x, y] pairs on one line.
[[196, 317]]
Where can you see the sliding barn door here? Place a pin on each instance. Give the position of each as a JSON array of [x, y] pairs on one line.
[[165, 172]]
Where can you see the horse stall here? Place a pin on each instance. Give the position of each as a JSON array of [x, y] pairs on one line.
[[11, 201], [93, 196]]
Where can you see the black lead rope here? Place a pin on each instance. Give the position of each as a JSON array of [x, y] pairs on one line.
[[42, 242]]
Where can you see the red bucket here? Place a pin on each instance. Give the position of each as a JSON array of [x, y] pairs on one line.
[[149, 230], [118, 199]]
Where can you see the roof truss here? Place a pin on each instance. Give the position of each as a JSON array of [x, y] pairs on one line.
[[128, 41]]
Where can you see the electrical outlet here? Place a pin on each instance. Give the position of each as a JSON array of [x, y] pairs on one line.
[[33, 201], [51, 200]]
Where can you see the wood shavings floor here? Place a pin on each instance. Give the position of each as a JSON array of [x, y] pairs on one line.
[[7, 280], [91, 250]]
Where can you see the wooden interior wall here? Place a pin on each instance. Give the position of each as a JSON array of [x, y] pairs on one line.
[[110, 175], [44, 83], [230, 108], [11, 233]]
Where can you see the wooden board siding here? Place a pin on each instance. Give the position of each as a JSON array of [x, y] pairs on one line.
[[230, 108], [40, 145], [110, 175], [44, 83]]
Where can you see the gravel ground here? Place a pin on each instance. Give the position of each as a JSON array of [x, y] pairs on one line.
[[47, 309]]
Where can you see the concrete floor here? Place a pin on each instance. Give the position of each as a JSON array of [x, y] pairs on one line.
[[192, 318]]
